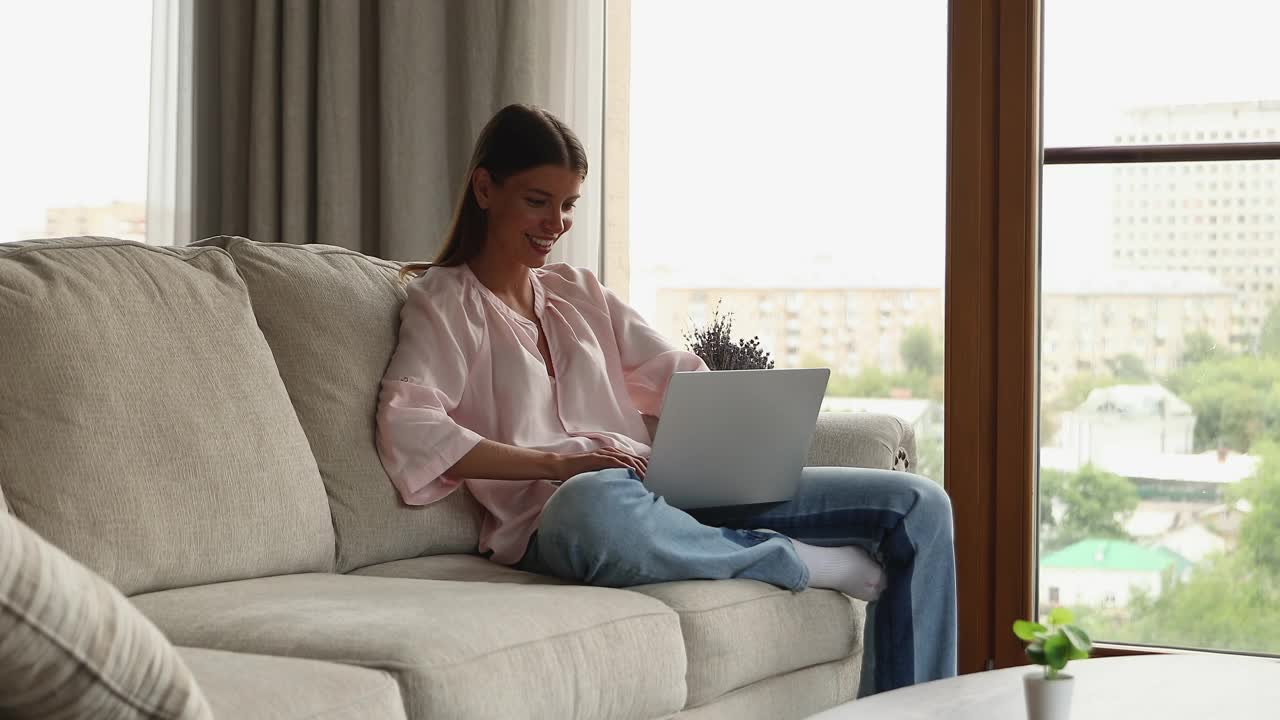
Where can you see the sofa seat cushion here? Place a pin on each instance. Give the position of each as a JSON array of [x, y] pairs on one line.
[[792, 696], [467, 568], [145, 429], [308, 297], [262, 687], [457, 649], [737, 632]]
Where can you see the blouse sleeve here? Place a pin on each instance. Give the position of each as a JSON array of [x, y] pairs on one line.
[[417, 439], [648, 358]]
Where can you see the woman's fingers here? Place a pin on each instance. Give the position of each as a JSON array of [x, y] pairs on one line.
[[626, 459]]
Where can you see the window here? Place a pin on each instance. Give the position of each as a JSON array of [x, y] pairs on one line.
[[754, 123], [75, 152], [1189, 474]]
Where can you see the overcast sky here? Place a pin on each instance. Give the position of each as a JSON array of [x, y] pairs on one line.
[[764, 134], [74, 83]]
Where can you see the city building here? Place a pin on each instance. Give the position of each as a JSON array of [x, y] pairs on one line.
[[1195, 542], [1087, 321], [1105, 573], [1219, 218], [845, 328], [1121, 421], [1084, 323], [922, 414], [124, 220]]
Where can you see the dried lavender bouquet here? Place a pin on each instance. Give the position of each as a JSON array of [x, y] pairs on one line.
[[717, 348]]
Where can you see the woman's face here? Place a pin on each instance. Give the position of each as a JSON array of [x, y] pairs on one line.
[[528, 213]]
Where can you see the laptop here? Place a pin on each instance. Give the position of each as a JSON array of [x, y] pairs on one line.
[[734, 437]]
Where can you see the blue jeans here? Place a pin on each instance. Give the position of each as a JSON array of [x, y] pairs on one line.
[[605, 528]]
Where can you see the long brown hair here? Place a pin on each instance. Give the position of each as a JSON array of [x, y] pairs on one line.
[[518, 138]]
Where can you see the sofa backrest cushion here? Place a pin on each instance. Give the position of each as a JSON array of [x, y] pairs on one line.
[[71, 646], [145, 429], [332, 316]]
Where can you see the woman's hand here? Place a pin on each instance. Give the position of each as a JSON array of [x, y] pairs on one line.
[[569, 465]]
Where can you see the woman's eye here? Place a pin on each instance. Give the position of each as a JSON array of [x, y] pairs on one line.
[[568, 208], [535, 203]]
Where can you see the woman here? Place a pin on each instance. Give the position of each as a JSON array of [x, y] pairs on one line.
[[539, 389]]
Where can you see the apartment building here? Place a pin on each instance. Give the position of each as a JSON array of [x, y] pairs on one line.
[[1094, 319], [1219, 218], [117, 219]]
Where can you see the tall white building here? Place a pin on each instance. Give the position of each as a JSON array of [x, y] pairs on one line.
[[1220, 218]]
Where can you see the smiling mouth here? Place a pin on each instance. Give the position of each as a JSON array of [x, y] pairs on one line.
[[540, 243]]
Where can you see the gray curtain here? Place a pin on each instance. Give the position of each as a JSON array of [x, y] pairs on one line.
[[351, 122]]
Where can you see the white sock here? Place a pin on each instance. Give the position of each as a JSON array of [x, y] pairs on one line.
[[848, 569]]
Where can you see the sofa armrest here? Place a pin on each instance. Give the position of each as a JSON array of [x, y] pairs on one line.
[[862, 439]]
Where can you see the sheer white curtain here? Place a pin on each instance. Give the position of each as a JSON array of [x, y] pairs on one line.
[[576, 95], [169, 141]]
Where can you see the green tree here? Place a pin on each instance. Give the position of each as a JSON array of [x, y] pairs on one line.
[[1229, 601], [871, 382], [1095, 504], [1128, 368], [1199, 346], [920, 352], [1260, 530], [929, 458], [1226, 603], [1236, 400], [1269, 338]]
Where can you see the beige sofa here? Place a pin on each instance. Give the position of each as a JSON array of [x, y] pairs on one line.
[[196, 425]]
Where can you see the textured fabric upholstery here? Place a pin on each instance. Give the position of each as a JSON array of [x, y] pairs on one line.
[[737, 632], [332, 317], [791, 696], [148, 433], [260, 687], [71, 646], [862, 440], [457, 649], [466, 568]]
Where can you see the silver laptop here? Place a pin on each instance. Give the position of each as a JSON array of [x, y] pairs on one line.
[[734, 437]]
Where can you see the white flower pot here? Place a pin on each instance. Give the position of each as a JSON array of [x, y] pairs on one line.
[[1048, 699]]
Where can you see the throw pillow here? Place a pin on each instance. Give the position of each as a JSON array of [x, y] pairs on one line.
[[71, 646]]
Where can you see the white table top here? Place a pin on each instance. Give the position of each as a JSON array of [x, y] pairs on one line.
[[1143, 687]]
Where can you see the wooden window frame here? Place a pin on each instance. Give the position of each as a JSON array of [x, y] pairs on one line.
[[992, 295], [995, 156]]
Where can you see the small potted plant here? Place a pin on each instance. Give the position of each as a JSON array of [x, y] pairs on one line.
[[1049, 693]]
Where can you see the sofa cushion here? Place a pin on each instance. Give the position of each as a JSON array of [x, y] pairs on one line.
[[468, 568], [253, 687], [457, 649], [863, 440], [72, 646], [737, 632], [792, 696], [332, 316], [147, 432]]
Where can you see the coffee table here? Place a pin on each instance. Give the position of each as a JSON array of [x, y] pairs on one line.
[[1143, 687]]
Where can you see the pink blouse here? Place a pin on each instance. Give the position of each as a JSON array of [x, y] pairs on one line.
[[468, 367]]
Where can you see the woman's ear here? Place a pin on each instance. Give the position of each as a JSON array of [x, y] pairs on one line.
[[482, 187]]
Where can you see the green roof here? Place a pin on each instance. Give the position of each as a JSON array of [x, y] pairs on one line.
[[1113, 555]]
